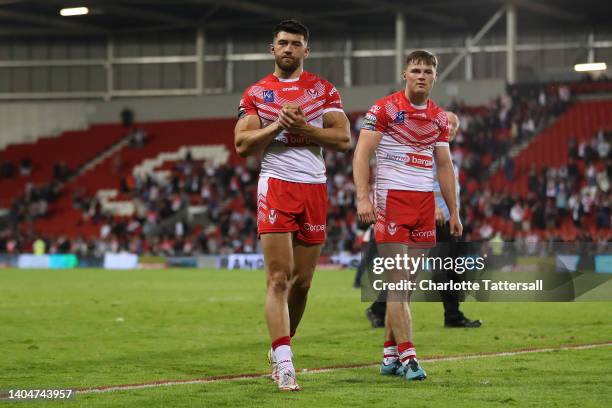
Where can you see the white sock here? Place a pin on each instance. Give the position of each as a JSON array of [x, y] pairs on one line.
[[283, 356], [406, 355], [390, 355]]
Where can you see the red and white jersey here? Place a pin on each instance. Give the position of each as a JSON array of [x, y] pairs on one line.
[[404, 157], [292, 157]]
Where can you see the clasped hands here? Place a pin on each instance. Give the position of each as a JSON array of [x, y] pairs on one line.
[[292, 119]]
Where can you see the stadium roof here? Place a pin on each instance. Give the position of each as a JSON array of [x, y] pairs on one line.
[[34, 17]]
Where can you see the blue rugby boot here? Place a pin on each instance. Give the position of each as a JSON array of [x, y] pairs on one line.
[[413, 370], [393, 367]]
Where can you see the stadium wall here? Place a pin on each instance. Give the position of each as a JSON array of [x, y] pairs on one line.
[[222, 106], [25, 122], [34, 64]]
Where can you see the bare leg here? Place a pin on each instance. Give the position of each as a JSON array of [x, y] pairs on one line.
[[388, 333], [399, 318], [305, 258], [278, 261]]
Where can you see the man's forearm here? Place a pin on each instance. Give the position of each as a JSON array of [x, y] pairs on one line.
[[334, 138], [361, 175], [446, 177], [251, 141]]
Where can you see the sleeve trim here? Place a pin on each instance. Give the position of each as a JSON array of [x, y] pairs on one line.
[[332, 110]]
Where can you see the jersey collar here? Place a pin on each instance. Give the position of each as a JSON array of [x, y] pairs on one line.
[[412, 105], [288, 80]]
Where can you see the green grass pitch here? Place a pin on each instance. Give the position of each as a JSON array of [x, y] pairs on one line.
[[89, 328]]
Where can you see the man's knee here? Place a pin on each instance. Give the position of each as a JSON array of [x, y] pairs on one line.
[[278, 277]]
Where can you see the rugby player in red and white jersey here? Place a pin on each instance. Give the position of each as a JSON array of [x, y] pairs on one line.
[[290, 116], [408, 131]]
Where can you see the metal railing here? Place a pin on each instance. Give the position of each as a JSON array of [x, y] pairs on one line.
[[348, 54]]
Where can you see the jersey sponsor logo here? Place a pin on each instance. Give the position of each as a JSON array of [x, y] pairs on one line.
[[314, 227], [419, 115], [423, 234], [272, 216], [375, 108], [419, 160], [293, 140], [396, 157], [392, 228], [268, 95], [400, 116], [291, 88], [333, 91]]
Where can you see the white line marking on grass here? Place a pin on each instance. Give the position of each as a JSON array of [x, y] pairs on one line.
[[238, 377]]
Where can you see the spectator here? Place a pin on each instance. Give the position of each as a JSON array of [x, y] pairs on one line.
[[603, 145], [516, 214], [127, 117], [25, 167], [137, 137], [7, 170]]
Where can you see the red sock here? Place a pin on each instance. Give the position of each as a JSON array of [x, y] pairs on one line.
[[281, 341], [390, 350], [406, 351]]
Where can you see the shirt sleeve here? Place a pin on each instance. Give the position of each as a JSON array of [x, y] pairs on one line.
[[247, 105], [444, 125], [333, 102], [375, 119]]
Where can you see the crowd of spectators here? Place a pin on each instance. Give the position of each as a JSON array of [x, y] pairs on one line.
[[34, 203], [226, 195], [8, 169], [571, 202]]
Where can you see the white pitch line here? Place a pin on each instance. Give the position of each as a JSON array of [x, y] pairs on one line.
[[128, 387]]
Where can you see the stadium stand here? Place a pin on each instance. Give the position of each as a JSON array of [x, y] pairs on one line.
[[25, 122], [47, 152], [183, 190], [551, 148], [118, 167]]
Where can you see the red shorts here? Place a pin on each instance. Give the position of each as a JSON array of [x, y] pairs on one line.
[[406, 216], [285, 206]]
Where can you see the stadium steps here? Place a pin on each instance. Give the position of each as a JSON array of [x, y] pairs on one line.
[[75, 148], [120, 144], [107, 172], [162, 137], [550, 148]]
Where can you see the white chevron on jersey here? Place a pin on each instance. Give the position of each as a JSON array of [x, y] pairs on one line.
[[291, 157], [404, 157]]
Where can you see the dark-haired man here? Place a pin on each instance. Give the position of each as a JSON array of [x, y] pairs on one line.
[[408, 132], [290, 116]]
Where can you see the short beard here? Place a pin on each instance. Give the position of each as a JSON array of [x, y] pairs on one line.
[[287, 67]]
